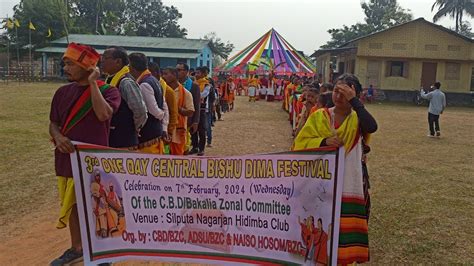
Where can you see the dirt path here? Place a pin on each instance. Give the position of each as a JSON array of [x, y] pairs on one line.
[[260, 127]]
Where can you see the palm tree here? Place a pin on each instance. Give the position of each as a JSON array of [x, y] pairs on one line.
[[453, 8]]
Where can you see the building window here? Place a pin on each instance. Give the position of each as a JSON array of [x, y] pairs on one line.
[[453, 71], [375, 45], [397, 69], [431, 47], [454, 48], [399, 46], [208, 64], [208, 55], [182, 61], [200, 63]]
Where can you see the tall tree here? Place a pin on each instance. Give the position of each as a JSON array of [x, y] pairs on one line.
[[383, 14], [217, 46], [379, 15], [465, 29], [454, 9], [99, 16], [45, 15], [152, 18]]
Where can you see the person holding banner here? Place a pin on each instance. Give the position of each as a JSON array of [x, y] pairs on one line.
[[348, 124], [80, 111]]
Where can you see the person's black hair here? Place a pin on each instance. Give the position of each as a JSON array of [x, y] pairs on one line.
[[154, 67], [320, 220], [329, 103], [437, 84], [313, 89], [138, 61], [316, 85], [185, 66], [119, 53], [351, 80], [328, 86], [171, 69], [203, 69], [324, 99]]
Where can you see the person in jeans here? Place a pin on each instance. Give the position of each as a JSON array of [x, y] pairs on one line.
[[437, 104], [210, 123]]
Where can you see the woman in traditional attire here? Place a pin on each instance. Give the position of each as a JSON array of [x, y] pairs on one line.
[[321, 245], [347, 124]]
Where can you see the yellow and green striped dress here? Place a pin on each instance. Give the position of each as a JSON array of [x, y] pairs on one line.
[[353, 231]]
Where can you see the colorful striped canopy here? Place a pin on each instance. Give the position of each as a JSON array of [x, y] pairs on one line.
[[270, 53]]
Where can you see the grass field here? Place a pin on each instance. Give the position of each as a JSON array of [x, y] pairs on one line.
[[422, 188]]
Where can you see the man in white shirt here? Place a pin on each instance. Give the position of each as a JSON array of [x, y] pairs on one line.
[[158, 116], [437, 105]]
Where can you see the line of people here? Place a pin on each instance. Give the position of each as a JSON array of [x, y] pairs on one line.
[[137, 107]]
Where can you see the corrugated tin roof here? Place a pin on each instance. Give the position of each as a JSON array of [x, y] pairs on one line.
[[135, 41], [61, 50]]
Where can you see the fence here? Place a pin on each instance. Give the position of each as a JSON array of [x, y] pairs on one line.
[[24, 72]]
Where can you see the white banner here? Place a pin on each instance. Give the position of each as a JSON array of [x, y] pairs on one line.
[[252, 209]]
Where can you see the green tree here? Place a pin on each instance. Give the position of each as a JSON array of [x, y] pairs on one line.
[[346, 34], [465, 29], [217, 46], [152, 18], [379, 15], [454, 9], [98, 16], [44, 16]]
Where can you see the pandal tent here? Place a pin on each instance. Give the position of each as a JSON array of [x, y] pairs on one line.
[[270, 53]]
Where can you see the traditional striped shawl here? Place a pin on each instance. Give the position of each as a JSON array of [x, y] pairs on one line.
[[353, 234]]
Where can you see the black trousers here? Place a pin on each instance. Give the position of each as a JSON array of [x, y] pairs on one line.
[[198, 139], [433, 122]]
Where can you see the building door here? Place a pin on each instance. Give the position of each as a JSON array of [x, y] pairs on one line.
[[373, 73], [428, 74]]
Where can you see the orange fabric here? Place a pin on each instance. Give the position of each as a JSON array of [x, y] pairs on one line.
[[321, 243], [83, 55], [170, 98], [143, 75], [178, 148], [182, 120], [347, 255], [314, 109]]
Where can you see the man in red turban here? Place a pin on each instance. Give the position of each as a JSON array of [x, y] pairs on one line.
[[80, 111]]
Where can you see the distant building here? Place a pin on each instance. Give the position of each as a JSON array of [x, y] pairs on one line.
[[164, 51], [404, 58]]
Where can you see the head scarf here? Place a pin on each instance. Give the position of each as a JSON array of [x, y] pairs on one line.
[[83, 55]]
